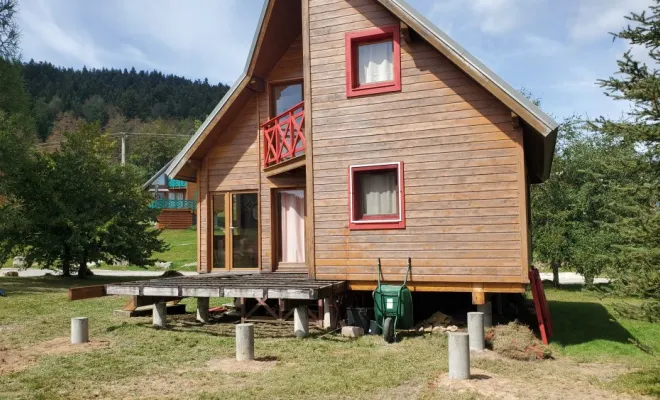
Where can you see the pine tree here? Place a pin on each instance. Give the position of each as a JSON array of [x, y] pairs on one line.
[[638, 214]]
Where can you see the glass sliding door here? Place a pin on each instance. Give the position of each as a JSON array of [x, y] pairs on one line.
[[219, 232], [245, 230]]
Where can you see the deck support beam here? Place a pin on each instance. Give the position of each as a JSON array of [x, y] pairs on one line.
[[329, 313], [159, 317], [300, 321], [203, 309]]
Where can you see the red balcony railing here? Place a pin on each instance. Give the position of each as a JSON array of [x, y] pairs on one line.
[[284, 136]]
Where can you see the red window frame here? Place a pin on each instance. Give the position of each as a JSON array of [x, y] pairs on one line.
[[359, 222], [373, 35]]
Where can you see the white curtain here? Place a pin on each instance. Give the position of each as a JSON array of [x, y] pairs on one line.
[[375, 62], [292, 222], [379, 192]]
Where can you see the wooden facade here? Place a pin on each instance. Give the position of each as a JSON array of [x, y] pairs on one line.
[[466, 175]]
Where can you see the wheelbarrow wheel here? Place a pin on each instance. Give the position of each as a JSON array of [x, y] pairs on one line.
[[388, 330]]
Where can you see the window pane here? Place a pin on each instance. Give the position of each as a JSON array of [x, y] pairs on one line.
[[378, 192], [245, 230], [286, 96], [375, 62], [219, 231], [292, 225]]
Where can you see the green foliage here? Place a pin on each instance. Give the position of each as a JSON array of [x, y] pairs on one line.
[[9, 32], [72, 206], [638, 214], [97, 94], [599, 211], [13, 98]]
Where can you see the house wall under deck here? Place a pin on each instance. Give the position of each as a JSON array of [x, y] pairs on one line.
[[466, 222]]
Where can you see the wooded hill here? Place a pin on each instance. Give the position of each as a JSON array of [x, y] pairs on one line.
[[96, 94]]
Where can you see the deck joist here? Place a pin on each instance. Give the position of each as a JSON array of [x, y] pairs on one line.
[[253, 285]]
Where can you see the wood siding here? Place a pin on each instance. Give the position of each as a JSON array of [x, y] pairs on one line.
[[175, 219], [289, 67], [234, 162], [464, 163]]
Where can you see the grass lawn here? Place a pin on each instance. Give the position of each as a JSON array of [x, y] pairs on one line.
[[182, 252], [129, 359]]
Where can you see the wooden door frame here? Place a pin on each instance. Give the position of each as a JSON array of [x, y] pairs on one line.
[[229, 238], [275, 222]]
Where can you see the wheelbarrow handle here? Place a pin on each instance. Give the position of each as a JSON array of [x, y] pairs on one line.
[[405, 280]]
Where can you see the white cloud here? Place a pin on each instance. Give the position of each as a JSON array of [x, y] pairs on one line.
[[543, 46], [41, 30], [595, 18], [490, 16]]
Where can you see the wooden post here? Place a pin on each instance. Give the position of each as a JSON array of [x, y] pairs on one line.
[[300, 321]]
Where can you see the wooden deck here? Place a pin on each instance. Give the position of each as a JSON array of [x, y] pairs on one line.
[[241, 285]]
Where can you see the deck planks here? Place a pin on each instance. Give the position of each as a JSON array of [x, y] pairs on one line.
[[250, 285]]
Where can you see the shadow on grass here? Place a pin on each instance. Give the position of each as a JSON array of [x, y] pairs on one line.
[[581, 322], [34, 285]]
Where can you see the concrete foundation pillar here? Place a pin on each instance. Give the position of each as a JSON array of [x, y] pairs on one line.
[[459, 356], [159, 315], [244, 342], [300, 321], [203, 309], [475, 322], [328, 314], [79, 330], [487, 309]]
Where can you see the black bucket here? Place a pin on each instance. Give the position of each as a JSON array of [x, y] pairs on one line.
[[374, 329], [360, 316]]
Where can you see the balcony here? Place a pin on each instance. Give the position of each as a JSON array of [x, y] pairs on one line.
[[168, 204], [284, 140]]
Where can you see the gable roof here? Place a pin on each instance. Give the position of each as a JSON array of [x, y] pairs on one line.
[[539, 128], [160, 172]]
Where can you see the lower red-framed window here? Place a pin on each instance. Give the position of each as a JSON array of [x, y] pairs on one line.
[[376, 196]]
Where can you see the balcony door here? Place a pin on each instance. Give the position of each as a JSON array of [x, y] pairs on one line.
[[290, 230], [235, 231]]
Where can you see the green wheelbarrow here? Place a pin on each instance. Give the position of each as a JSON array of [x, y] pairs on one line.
[[393, 306]]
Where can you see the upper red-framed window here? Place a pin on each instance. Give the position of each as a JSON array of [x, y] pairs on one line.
[[376, 196], [373, 61]]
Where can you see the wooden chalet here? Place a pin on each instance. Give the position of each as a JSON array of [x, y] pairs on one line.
[[358, 130], [176, 199]]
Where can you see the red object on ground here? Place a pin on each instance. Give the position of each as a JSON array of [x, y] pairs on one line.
[[217, 309], [541, 305]]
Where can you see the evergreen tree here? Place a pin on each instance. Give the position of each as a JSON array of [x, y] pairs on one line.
[[9, 33], [74, 205], [638, 216]]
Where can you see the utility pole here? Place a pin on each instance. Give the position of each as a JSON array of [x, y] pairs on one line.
[[123, 149]]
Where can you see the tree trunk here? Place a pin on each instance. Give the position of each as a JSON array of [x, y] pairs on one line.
[[82, 269], [66, 262], [555, 274]]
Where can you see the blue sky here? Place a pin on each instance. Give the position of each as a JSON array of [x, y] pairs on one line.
[[557, 49]]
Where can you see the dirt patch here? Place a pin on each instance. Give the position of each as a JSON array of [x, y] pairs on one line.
[[230, 365], [15, 360], [516, 341], [493, 386]]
